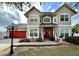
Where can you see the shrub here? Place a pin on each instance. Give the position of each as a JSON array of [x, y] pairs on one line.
[[5, 37], [74, 40], [39, 39], [25, 40], [52, 38]]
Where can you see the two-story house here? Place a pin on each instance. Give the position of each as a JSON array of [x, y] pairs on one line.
[[48, 24]]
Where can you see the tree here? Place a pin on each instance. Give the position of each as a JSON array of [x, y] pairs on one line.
[[75, 29], [18, 5]]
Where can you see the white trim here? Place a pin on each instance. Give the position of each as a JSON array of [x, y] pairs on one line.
[[47, 17], [64, 25], [55, 17]]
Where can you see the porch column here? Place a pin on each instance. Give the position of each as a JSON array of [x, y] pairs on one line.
[[42, 32]]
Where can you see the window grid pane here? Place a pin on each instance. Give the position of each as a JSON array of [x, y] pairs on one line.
[[66, 17], [33, 32], [64, 32], [31, 20], [46, 20], [62, 17]]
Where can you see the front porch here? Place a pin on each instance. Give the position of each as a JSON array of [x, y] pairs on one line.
[[48, 30]]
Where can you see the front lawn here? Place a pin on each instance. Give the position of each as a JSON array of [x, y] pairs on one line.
[[70, 50]]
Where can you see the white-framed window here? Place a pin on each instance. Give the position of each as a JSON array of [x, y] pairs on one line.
[[47, 20], [33, 18], [64, 17], [33, 32], [64, 32], [55, 20]]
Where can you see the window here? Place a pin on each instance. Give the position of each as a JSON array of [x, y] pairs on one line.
[[54, 20], [33, 20], [64, 32], [64, 17], [33, 32], [47, 20]]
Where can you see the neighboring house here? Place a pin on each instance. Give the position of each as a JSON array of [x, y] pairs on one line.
[[1, 36], [48, 24], [19, 31], [76, 34]]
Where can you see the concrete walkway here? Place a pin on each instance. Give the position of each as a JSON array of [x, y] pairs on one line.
[[48, 43]]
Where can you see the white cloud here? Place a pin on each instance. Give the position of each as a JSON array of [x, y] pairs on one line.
[[49, 7], [75, 17], [22, 17], [61, 4], [8, 16], [52, 10], [2, 29]]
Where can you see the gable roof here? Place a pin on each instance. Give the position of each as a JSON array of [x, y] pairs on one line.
[[31, 10], [65, 4]]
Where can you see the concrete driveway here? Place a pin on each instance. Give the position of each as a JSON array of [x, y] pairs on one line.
[[5, 45]]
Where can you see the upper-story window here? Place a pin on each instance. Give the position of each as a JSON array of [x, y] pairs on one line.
[[64, 17], [47, 20], [33, 18]]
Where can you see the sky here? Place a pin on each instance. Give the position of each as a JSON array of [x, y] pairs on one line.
[[8, 16]]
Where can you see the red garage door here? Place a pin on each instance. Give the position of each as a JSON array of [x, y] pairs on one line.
[[18, 34]]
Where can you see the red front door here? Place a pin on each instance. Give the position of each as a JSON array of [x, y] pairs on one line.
[[48, 32]]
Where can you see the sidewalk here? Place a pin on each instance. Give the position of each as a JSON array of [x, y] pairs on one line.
[[4, 49], [4, 46]]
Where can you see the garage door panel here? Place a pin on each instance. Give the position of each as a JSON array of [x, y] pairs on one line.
[[18, 34]]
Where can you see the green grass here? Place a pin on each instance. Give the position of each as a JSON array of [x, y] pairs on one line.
[[70, 50]]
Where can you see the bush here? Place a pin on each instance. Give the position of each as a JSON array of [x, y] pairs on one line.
[[5, 37], [25, 40], [39, 39], [74, 40], [52, 38]]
